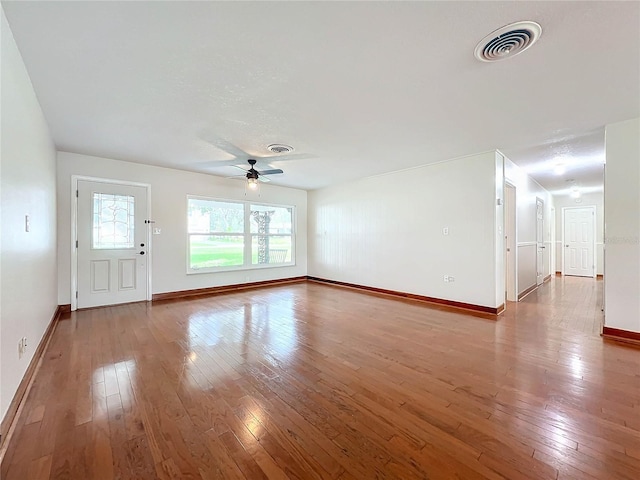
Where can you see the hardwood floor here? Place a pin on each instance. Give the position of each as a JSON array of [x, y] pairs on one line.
[[309, 381]]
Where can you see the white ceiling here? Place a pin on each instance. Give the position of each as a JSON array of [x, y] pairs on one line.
[[361, 88]]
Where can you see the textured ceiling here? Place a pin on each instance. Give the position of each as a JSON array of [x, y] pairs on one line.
[[357, 88]]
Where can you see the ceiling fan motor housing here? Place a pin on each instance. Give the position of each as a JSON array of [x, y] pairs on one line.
[[252, 172]]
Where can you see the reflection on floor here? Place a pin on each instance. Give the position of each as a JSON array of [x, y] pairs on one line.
[[571, 303]]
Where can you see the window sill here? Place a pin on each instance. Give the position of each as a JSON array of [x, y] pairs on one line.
[[238, 269]]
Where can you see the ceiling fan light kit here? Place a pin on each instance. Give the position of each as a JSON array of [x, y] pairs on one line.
[[252, 183], [253, 175]]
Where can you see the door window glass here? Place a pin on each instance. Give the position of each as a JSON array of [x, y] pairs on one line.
[[113, 221]]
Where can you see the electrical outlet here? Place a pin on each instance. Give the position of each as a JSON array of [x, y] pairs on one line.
[[445, 231], [451, 279], [446, 278]]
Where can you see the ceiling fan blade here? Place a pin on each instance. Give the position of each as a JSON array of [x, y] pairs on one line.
[[240, 168], [223, 163], [226, 146], [270, 172], [263, 179], [286, 157]]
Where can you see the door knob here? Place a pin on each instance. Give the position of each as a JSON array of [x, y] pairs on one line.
[[142, 252]]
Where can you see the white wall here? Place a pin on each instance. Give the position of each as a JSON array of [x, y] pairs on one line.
[[169, 190], [28, 183], [387, 231], [622, 225], [595, 199], [527, 190]]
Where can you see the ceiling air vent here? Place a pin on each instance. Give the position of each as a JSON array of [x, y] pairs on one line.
[[508, 41], [279, 148]]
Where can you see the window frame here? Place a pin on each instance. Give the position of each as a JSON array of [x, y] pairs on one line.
[[246, 234]]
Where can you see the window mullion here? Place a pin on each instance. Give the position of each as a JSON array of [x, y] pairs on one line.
[[247, 234]]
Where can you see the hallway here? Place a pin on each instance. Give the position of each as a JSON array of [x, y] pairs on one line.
[[569, 303]]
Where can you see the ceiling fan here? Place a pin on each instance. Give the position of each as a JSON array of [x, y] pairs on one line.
[[280, 153], [253, 176]]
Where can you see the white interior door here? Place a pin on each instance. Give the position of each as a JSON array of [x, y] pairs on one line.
[[552, 242], [112, 243], [510, 242], [539, 241], [579, 241]]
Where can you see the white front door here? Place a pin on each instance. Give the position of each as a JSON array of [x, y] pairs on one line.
[[539, 241], [112, 243], [578, 241]]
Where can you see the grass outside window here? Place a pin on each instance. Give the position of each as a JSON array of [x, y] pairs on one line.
[[211, 251]]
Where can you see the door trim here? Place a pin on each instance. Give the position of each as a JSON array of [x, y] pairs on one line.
[[74, 230], [540, 251], [513, 205], [595, 253], [552, 243]]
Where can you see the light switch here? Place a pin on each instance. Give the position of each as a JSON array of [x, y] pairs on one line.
[[445, 231], [157, 231]]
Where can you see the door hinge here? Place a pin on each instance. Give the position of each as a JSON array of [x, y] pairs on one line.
[[77, 194], [76, 243], [76, 294]]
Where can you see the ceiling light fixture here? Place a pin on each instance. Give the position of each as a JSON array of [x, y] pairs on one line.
[[575, 193], [560, 169]]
